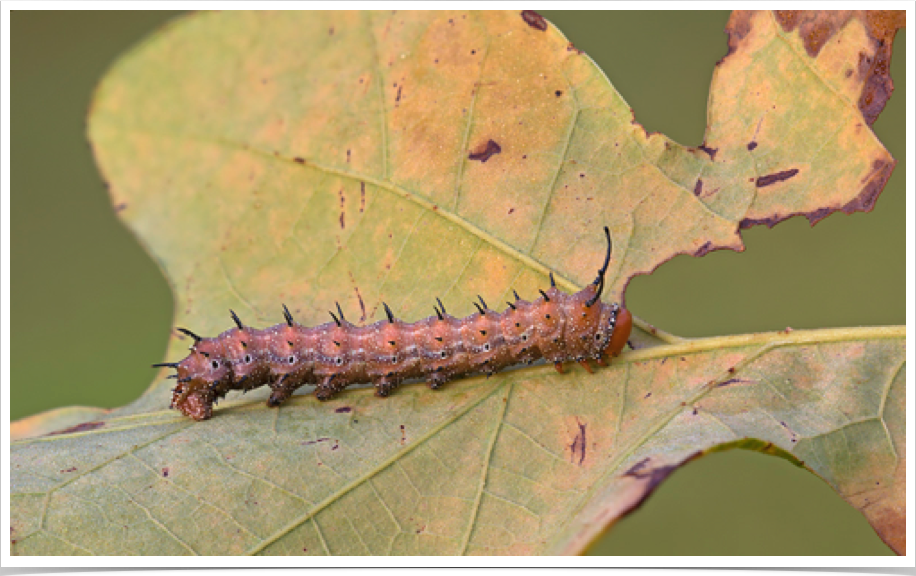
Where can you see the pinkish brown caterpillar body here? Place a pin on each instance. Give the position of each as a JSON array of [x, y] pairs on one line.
[[558, 327]]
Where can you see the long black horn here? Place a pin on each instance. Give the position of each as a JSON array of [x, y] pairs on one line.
[[388, 313], [235, 318], [287, 315], [166, 365], [191, 334], [339, 311], [599, 281]]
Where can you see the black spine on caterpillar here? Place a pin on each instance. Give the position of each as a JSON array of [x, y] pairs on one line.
[[558, 327]]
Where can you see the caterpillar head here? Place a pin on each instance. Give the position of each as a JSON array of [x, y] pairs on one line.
[[200, 377], [194, 401]]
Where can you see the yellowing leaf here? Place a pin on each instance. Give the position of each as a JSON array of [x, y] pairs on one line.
[[309, 158]]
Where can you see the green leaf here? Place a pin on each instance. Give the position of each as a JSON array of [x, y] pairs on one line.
[[313, 158]]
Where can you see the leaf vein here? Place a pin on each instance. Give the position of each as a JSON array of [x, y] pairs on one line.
[[372, 472], [462, 160], [484, 474]]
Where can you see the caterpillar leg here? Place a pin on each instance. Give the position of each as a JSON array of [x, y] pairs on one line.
[[558, 366], [326, 390], [385, 386], [586, 365], [436, 380], [283, 389], [278, 397]]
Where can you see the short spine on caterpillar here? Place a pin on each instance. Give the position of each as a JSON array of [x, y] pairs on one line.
[[557, 327]]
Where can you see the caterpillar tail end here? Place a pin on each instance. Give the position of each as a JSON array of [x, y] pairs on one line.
[[622, 330]]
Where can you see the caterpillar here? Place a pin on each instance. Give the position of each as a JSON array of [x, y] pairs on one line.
[[557, 326]]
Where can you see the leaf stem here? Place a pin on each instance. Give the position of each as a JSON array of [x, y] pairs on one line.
[[781, 338]]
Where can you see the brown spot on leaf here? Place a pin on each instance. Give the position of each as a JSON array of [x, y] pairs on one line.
[[788, 19], [698, 187], [299, 160], [731, 381], [316, 441], [578, 446], [571, 48], [343, 211], [770, 179], [71, 469], [362, 305], [815, 27], [84, 427], [874, 184], [655, 475], [751, 145], [703, 250], [534, 20], [362, 196], [738, 26], [120, 207], [878, 86], [711, 151], [165, 472], [483, 153], [343, 410], [634, 469], [818, 215], [816, 36]]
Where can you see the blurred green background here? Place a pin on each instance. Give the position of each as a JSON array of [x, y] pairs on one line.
[[91, 311]]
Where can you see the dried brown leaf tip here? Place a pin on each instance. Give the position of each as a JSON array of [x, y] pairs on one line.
[[817, 27], [823, 61]]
